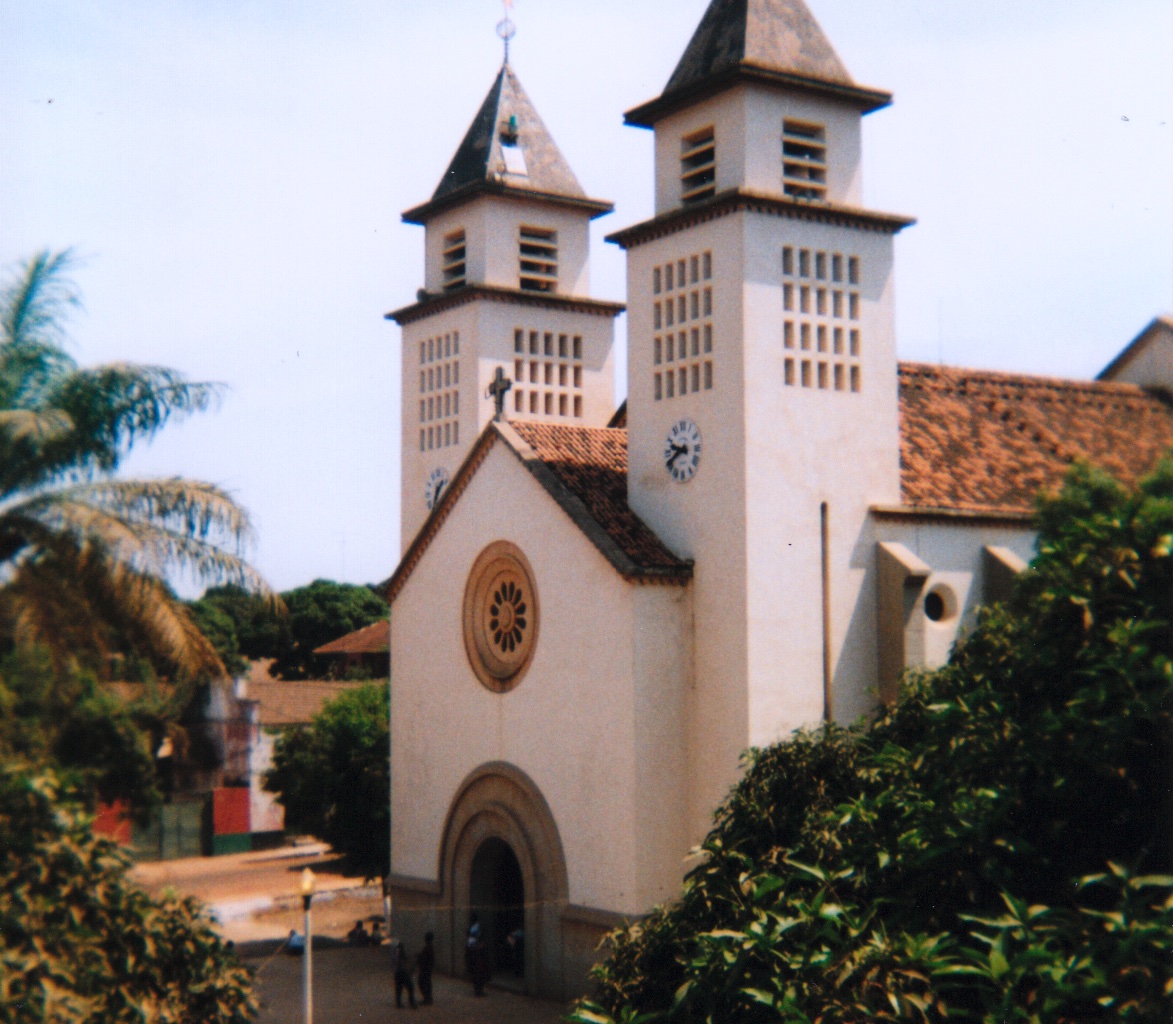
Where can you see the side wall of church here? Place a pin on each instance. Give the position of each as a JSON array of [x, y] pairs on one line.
[[822, 427], [573, 733]]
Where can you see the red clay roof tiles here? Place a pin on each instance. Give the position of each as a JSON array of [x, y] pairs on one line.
[[372, 639], [591, 462], [982, 441]]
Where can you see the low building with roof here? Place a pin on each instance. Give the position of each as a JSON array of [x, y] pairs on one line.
[[597, 610]]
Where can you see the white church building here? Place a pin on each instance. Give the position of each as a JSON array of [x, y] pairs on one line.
[[598, 610]]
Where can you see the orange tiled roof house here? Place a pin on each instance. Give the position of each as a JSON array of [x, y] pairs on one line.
[[596, 612]]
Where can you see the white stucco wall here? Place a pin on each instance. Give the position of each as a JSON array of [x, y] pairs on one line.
[[572, 724]]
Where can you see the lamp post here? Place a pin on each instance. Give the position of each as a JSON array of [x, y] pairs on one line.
[[307, 967]]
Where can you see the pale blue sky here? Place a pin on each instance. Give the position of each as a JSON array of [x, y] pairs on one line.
[[233, 171]]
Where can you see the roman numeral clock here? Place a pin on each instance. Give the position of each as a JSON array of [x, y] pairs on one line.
[[682, 450]]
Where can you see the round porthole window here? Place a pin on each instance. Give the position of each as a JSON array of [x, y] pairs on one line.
[[500, 616], [939, 604]]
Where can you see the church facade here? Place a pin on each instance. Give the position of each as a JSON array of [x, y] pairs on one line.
[[598, 610]]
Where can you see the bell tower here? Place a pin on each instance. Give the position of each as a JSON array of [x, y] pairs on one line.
[[506, 292], [760, 321]]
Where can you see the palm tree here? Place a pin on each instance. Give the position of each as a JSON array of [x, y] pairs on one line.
[[83, 555]]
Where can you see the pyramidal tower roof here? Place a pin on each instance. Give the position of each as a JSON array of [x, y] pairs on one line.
[[507, 150], [775, 41]]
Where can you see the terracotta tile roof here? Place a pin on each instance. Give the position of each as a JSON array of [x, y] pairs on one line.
[[293, 703], [989, 442], [372, 639], [591, 463]]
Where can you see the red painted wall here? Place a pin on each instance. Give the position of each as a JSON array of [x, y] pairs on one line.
[[230, 810], [113, 822]]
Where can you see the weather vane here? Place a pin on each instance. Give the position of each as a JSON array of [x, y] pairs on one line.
[[505, 27]]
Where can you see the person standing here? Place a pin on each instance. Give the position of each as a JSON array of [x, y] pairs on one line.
[[425, 962], [402, 976]]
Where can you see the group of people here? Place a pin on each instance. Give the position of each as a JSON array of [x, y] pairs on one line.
[[425, 962], [359, 936]]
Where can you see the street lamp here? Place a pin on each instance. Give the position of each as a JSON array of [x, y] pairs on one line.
[[307, 967]]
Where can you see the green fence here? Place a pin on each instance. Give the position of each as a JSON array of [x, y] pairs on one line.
[[179, 829]]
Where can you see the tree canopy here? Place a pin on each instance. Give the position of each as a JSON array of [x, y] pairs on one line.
[[84, 555], [334, 777], [994, 847], [82, 944], [242, 625]]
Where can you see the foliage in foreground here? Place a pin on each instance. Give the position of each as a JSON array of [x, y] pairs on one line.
[[334, 777], [996, 847], [84, 556], [81, 944]]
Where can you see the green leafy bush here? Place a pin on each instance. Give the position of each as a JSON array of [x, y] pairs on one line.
[[81, 944], [995, 847], [334, 777]]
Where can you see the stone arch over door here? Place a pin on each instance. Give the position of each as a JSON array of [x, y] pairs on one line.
[[499, 801]]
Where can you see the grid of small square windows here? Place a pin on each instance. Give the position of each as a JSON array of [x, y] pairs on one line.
[[682, 311], [547, 373], [439, 414], [820, 325]]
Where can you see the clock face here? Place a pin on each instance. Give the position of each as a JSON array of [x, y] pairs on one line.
[[682, 450], [437, 481]]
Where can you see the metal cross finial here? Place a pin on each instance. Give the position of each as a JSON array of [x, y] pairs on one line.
[[498, 387], [505, 27]]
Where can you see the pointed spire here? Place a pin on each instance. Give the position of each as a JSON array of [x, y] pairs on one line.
[[507, 149], [766, 40]]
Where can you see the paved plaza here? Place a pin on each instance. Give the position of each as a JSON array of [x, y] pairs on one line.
[[353, 986]]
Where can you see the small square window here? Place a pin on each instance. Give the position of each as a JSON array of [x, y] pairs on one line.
[[423, 352], [854, 337], [657, 352], [456, 433], [694, 271], [431, 349], [578, 406], [423, 382], [431, 380], [836, 267], [549, 373], [788, 297], [447, 346], [657, 322], [787, 260], [563, 405], [447, 375], [680, 281], [694, 374], [422, 439], [656, 281], [804, 263], [804, 299], [548, 346], [853, 270], [806, 373], [670, 347], [549, 404], [681, 303], [682, 380], [657, 387], [518, 400], [694, 305], [447, 434], [430, 438], [708, 303], [853, 306], [456, 343], [670, 384], [823, 376], [855, 382], [519, 341], [788, 372], [448, 404], [707, 266], [839, 377], [577, 347], [533, 372], [837, 304], [695, 335], [562, 375], [821, 336], [669, 313], [708, 376], [838, 336], [423, 411], [533, 402], [455, 403], [533, 343], [578, 376], [821, 266], [821, 301], [563, 350], [708, 333], [788, 334], [805, 335], [518, 370], [668, 277], [456, 373]]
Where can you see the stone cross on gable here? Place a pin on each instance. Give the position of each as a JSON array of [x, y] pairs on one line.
[[498, 387]]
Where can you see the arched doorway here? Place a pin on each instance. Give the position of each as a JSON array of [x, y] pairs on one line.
[[501, 851], [497, 897]]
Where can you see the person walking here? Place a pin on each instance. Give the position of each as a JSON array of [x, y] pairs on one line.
[[425, 962], [402, 971]]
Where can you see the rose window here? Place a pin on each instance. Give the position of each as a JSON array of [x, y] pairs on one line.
[[500, 616]]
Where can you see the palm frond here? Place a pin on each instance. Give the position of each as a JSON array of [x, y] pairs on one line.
[[151, 526], [36, 302], [35, 425]]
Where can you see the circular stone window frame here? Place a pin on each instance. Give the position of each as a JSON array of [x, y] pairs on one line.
[[499, 563], [943, 593]]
